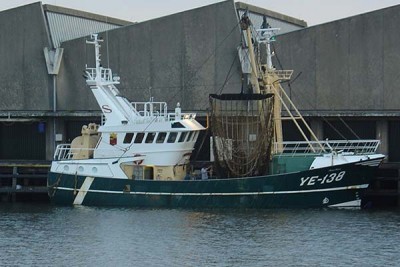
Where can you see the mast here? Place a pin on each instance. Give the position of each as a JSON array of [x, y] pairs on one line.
[[271, 80], [116, 108], [267, 80], [245, 24], [96, 42]]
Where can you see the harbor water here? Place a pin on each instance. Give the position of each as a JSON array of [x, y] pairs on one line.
[[45, 235]]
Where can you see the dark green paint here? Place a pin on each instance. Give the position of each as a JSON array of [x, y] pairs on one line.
[[121, 196]]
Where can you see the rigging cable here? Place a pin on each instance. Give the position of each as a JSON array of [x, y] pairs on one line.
[[349, 128], [229, 75]]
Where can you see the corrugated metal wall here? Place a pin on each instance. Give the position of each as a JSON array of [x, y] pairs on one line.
[[65, 27], [394, 141], [23, 140]]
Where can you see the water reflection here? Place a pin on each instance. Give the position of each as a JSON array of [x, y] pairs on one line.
[[48, 235]]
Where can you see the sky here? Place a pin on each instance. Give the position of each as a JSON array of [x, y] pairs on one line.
[[312, 11]]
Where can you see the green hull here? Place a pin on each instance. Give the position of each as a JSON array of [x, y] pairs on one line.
[[322, 187]]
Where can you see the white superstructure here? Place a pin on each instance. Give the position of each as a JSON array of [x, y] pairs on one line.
[[140, 138]]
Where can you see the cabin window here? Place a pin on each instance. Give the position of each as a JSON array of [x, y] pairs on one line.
[[139, 138], [172, 137], [161, 138], [177, 125], [128, 138], [196, 134], [150, 138], [189, 137], [182, 137]]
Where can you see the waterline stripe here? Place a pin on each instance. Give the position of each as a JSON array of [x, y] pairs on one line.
[[362, 186], [83, 191]]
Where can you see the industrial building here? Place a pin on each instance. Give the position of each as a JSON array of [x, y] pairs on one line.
[[347, 81], [31, 36], [344, 81]]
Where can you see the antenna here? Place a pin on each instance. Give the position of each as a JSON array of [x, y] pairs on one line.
[[96, 42], [268, 36], [108, 54]]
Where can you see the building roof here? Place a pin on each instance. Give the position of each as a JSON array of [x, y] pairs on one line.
[[85, 15], [271, 14], [66, 24]]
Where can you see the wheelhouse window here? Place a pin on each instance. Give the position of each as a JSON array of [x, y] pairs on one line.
[[161, 138], [128, 138], [139, 138], [182, 137], [189, 137], [150, 138], [172, 137], [196, 134], [177, 125]]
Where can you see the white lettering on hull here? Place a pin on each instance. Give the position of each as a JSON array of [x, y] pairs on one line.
[[328, 178]]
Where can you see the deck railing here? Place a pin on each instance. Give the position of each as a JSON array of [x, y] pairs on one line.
[[64, 152], [282, 75], [359, 147], [159, 110], [105, 74]]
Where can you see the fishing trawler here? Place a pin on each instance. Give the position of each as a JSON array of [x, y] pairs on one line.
[[140, 155]]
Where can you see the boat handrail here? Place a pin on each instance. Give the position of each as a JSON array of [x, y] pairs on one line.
[[63, 151], [359, 147], [105, 74], [159, 110], [187, 116], [66, 152], [283, 75], [151, 109]]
